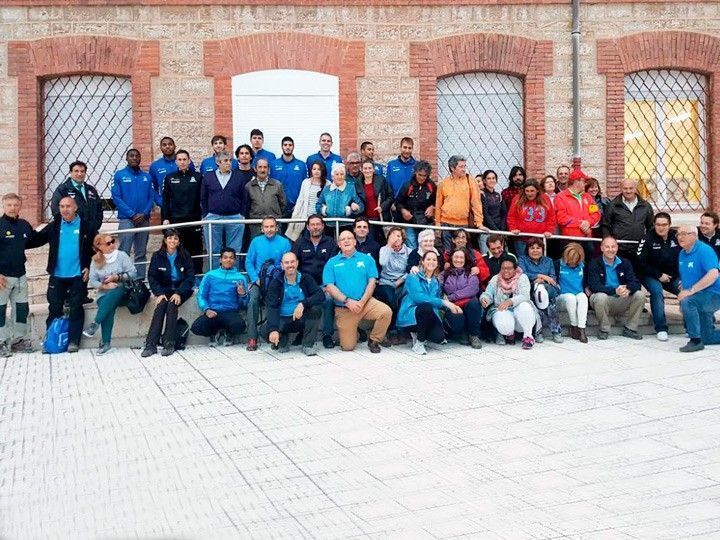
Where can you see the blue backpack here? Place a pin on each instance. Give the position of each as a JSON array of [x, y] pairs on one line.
[[268, 272], [57, 337]]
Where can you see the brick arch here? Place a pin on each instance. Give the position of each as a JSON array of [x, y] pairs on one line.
[[686, 51], [225, 58], [528, 59], [32, 62]]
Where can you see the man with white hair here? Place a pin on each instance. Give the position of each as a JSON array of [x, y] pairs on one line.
[[700, 294], [353, 167], [628, 217]]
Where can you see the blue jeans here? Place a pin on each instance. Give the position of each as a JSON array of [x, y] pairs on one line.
[[135, 241], [411, 237], [223, 236], [657, 302], [467, 321], [698, 311]]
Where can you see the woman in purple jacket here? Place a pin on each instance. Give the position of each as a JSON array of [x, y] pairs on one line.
[[462, 289]]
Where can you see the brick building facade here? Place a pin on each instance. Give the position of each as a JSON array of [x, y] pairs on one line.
[[388, 58]]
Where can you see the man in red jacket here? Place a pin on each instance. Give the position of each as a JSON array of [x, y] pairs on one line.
[[576, 212]]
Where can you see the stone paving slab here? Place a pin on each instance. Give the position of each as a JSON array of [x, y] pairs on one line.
[[615, 439]]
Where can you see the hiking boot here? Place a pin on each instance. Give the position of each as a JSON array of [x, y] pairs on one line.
[[374, 346], [632, 334], [252, 345], [582, 336], [558, 338], [104, 348], [148, 351], [692, 346], [167, 351], [91, 329], [475, 342], [309, 351], [328, 342]]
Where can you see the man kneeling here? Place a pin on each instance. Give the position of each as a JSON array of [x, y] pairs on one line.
[[222, 293], [293, 304]]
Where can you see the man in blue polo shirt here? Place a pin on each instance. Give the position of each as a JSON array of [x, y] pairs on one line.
[[269, 246], [350, 277], [257, 139], [134, 196], [700, 294], [324, 155], [165, 164], [290, 172], [400, 170], [209, 164]]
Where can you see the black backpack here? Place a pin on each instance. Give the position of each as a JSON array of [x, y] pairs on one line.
[[136, 295], [269, 271]]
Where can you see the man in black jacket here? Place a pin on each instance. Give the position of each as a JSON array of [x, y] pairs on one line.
[[313, 250], [293, 305], [627, 217], [181, 204], [70, 241], [615, 290], [657, 266], [88, 201], [708, 230], [415, 202], [16, 235]]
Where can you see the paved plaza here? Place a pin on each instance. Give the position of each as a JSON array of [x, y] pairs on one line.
[[616, 439]]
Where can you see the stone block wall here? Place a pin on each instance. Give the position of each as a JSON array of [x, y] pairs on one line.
[[181, 59]]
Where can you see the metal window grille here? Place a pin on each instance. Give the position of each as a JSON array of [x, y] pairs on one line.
[[666, 137], [480, 116], [86, 118]]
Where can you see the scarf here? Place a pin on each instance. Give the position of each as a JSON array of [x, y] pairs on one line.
[[112, 257], [509, 286]]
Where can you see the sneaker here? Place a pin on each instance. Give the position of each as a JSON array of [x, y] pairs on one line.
[[90, 330], [23, 346], [284, 345], [539, 338], [499, 340], [374, 346], [602, 335], [214, 341], [419, 347], [558, 338], [309, 351], [227, 340], [691, 346], [632, 334], [148, 351], [510, 339], [167, 351], [386, 342], [662, 336], [73, 348], [475, 342], [5, 351], [527, 343], [252, 345], [328, 341], [104, 348]]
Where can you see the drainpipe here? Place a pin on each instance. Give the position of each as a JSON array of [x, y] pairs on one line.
[[576, 81]]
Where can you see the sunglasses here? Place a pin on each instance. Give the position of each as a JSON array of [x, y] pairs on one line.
[[110, 242]]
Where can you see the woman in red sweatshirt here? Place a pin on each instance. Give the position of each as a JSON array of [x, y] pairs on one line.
[[530, 212]]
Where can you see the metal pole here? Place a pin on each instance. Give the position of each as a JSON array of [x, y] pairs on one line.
[[337, 229], [209, 248], [576, 78]]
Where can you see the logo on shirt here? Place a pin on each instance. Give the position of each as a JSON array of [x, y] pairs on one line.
[[691, 265], [360, 264]]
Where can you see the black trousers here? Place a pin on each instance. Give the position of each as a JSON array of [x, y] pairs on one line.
[[191, 238], [427, 325], [230, 321], [73, 291], [388, 295], [307, 324], [165, 313]]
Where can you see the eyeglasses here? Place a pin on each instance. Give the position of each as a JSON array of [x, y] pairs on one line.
[[110, 242], [685, 233]]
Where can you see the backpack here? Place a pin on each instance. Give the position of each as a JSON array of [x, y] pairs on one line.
[[182, 330], [57, 337], [136, 295], [269, 271]]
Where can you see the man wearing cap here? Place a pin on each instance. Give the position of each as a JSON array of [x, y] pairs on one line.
[[576, 212]]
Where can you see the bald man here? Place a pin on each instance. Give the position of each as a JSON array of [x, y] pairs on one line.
[[628, 217]]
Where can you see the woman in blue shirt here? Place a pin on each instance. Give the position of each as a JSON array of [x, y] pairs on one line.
[[171, 277], [540, 270], [571, 278], [419, 310]]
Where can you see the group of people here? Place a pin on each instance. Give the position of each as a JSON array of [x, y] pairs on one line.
[[387, 284]]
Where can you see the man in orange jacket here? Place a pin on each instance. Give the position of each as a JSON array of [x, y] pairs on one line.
[[576, 212], [458, 200]]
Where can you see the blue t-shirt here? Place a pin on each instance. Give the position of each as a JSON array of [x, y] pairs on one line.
[[290, 174], [328, 161], [611, 276], [174, 274], [571, 279], [350, 274], [292, 296], [68, 261], [265, 154], [695, 264]]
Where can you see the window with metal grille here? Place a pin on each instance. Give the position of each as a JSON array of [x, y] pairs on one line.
[[666, 137], [480, 116], [86, 118]]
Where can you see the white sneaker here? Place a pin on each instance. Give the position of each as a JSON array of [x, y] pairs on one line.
[[419, 347], [662, 336], [413, 336]]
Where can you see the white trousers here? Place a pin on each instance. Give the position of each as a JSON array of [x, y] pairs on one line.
[[576, 306], [521, 319]]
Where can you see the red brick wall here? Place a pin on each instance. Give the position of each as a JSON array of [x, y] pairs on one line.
[[225, 58], [529, 59], [686, 51], [33, 61]]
